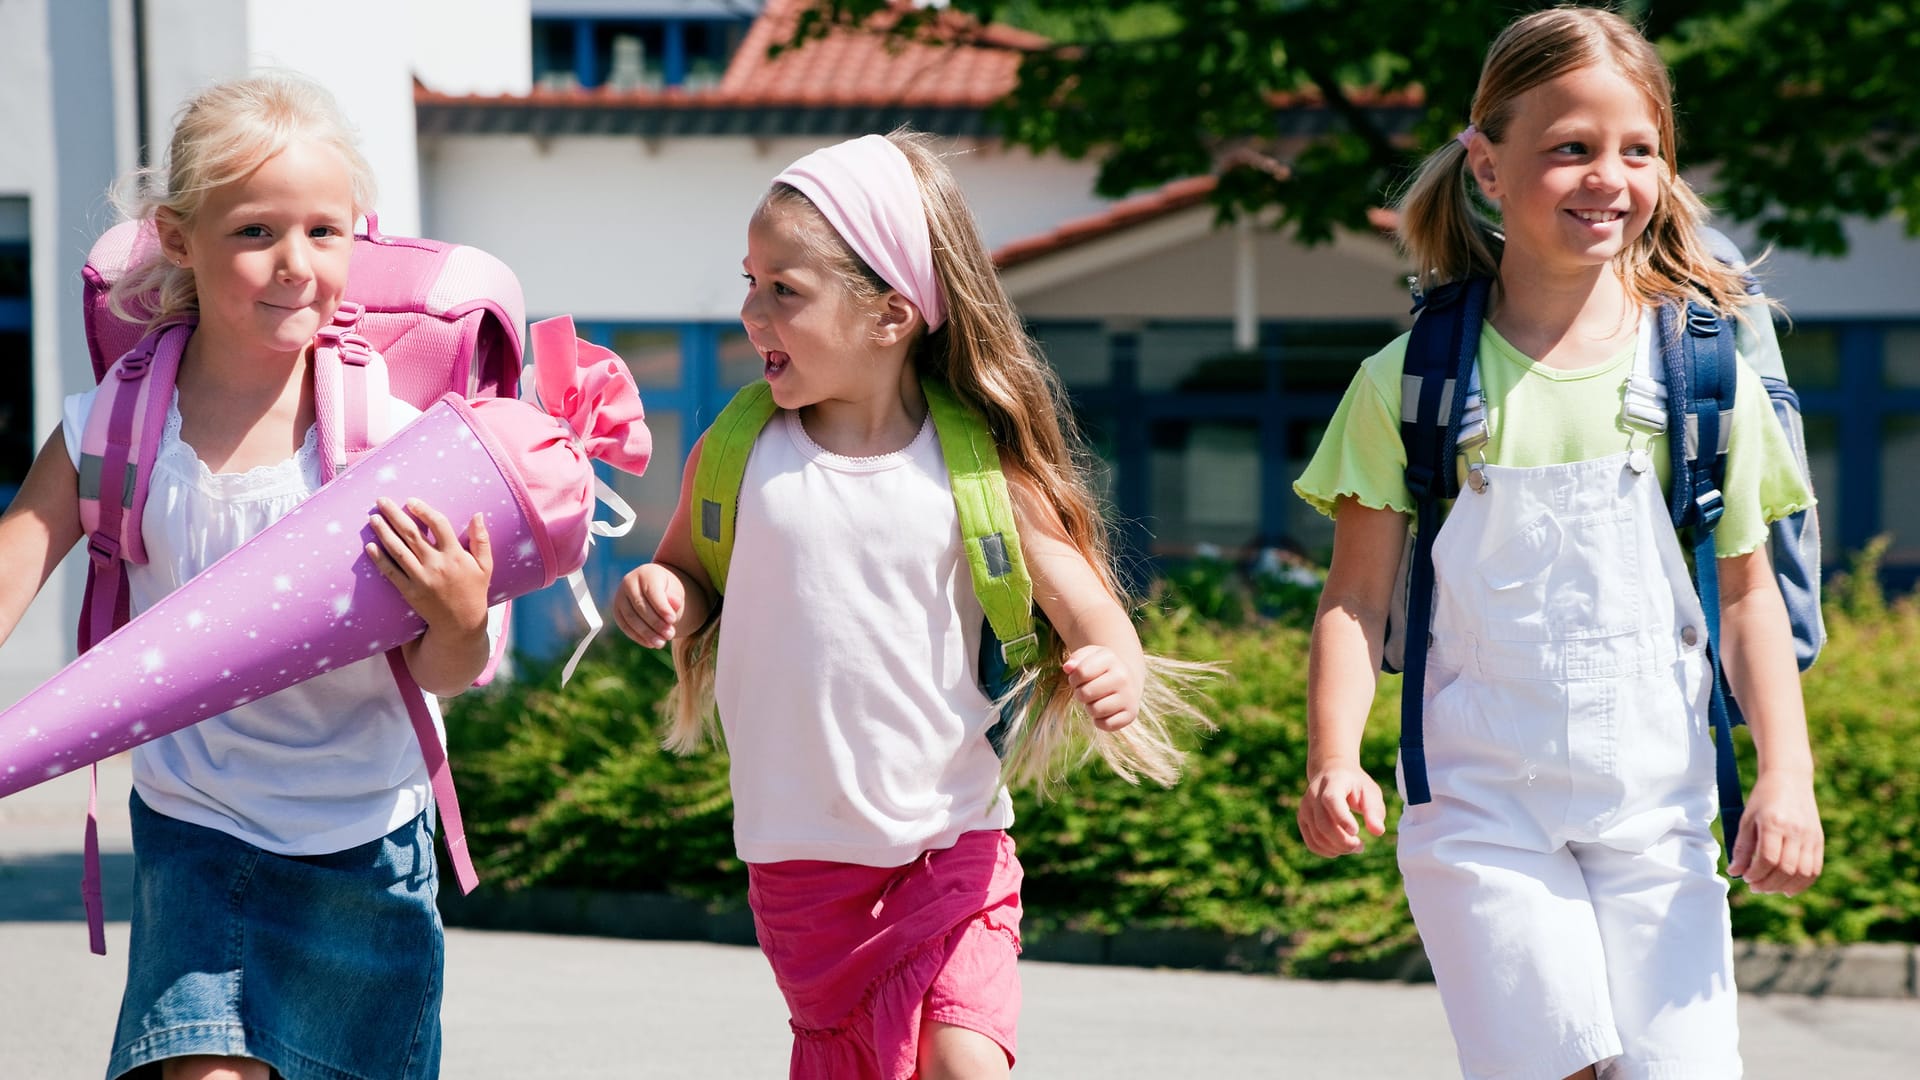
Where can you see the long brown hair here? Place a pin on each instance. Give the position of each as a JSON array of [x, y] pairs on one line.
[[1448, 236], [984, 354]]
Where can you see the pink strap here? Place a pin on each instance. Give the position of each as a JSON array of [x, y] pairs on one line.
[[341, 399], [439, 774], [90, 870]]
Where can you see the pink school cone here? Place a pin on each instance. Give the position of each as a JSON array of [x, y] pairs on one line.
[[302, 597]]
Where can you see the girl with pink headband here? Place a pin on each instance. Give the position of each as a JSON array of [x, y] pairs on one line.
[[870, 799]]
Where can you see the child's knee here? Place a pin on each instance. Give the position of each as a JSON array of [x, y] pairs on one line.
[[951, 1052]]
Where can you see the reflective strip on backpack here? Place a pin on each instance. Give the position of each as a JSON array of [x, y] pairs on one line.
[[987, 527], [716, 481]]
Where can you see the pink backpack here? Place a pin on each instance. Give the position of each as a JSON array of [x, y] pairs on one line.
[[420, 317]]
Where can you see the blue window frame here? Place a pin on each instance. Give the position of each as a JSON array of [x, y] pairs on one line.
[[634, 50], [17, 422], [1859, 389], [686, 372]]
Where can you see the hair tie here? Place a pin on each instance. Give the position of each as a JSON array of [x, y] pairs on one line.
[[1465, 137], [867, 191]]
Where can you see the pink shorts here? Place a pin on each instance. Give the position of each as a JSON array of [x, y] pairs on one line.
[[865, 955]]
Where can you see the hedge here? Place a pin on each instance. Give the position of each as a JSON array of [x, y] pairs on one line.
[[569, 789]]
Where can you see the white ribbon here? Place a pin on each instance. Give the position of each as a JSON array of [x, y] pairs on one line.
[[577, 581]]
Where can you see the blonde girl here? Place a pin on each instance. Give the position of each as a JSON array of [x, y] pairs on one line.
[[1563, 876], [869, 803], [284, 874]]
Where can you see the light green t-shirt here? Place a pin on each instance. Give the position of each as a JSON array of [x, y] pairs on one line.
[[1538, 416]]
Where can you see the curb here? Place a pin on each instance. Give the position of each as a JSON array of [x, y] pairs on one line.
[[1866, 970]]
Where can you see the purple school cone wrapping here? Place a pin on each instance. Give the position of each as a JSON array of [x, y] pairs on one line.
[[302, 597]]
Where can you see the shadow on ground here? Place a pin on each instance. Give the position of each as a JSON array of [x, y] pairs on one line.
[[46, 888]]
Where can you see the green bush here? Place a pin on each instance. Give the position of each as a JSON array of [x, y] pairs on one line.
[[570, 789]]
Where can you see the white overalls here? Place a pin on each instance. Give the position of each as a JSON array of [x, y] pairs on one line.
[[1564, 879]]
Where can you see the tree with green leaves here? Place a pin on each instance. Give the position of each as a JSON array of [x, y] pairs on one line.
[[1800, 113]]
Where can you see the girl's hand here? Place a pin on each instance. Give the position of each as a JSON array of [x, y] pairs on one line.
[[1781, 846], [1326, 810], [445, 583], [1107, 687], [649, 603]]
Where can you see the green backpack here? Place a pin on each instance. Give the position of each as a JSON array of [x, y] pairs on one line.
[[1010, 643]]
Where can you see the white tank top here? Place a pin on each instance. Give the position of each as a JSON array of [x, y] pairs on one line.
[[846, 680]]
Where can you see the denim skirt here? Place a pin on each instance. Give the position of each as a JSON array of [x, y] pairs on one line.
[[326, 967]]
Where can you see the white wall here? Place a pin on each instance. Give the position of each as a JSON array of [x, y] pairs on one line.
[[473, 46], [1183, 268], [628, 228], [343, 46], [1879, 278]]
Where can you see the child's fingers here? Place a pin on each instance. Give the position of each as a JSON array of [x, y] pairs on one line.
[[1105, 684], [1372, 807], [439, 531], [1740, 859], [480, 544], [1110, 713], [1326, 822], [394, 548], [1087, 663]]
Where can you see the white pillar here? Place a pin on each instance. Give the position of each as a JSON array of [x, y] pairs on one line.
[[1246, 294]]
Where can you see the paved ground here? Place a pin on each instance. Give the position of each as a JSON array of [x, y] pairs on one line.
[[532, 1006]]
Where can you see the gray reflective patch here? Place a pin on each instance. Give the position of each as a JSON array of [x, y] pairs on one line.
[[994, 547], [90, 466], [710, 520], [1410, 400]]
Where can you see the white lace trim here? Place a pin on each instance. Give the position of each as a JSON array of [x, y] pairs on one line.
[[289, 476], [845, 463]]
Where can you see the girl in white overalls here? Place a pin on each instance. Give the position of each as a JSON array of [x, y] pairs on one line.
[[1563, 877]]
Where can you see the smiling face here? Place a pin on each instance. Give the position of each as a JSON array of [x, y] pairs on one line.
[[814, 335], [1578, 173], [269, 251]]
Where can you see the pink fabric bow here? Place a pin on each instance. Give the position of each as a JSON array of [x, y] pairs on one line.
[[589, 389]]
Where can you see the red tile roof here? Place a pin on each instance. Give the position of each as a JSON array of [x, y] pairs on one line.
[[1138, 210], [970, 65], [1162, 202]]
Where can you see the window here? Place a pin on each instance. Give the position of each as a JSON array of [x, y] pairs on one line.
[[17, 436], [635, 49]]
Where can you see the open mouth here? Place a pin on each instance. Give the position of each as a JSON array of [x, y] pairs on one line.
[[1598, 217], [776, 362]]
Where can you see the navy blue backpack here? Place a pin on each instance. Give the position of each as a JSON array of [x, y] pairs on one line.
[[1441, 418]]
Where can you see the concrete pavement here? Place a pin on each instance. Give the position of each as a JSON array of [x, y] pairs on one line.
[[533, 1006]]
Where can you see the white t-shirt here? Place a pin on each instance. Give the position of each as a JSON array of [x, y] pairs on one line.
[[316, 768], [846, 679]]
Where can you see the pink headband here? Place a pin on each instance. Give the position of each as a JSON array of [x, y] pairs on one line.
[[869, 194]]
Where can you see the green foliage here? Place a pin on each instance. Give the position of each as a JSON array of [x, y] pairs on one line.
[[1800, 111], [570, 789], [1863, 726]]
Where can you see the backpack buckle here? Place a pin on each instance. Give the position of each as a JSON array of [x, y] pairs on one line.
[[1707, 508], [1702, 322], [104, 550], [348, 313], [1019, 644]]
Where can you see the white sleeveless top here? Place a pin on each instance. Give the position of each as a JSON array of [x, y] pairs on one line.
[[846, 681], [316, 768]]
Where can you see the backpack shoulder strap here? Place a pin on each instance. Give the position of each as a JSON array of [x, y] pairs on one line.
[[988, 531], [1439, 368], [349, 382], [1697, 350], [118, 444], [716, 481]]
